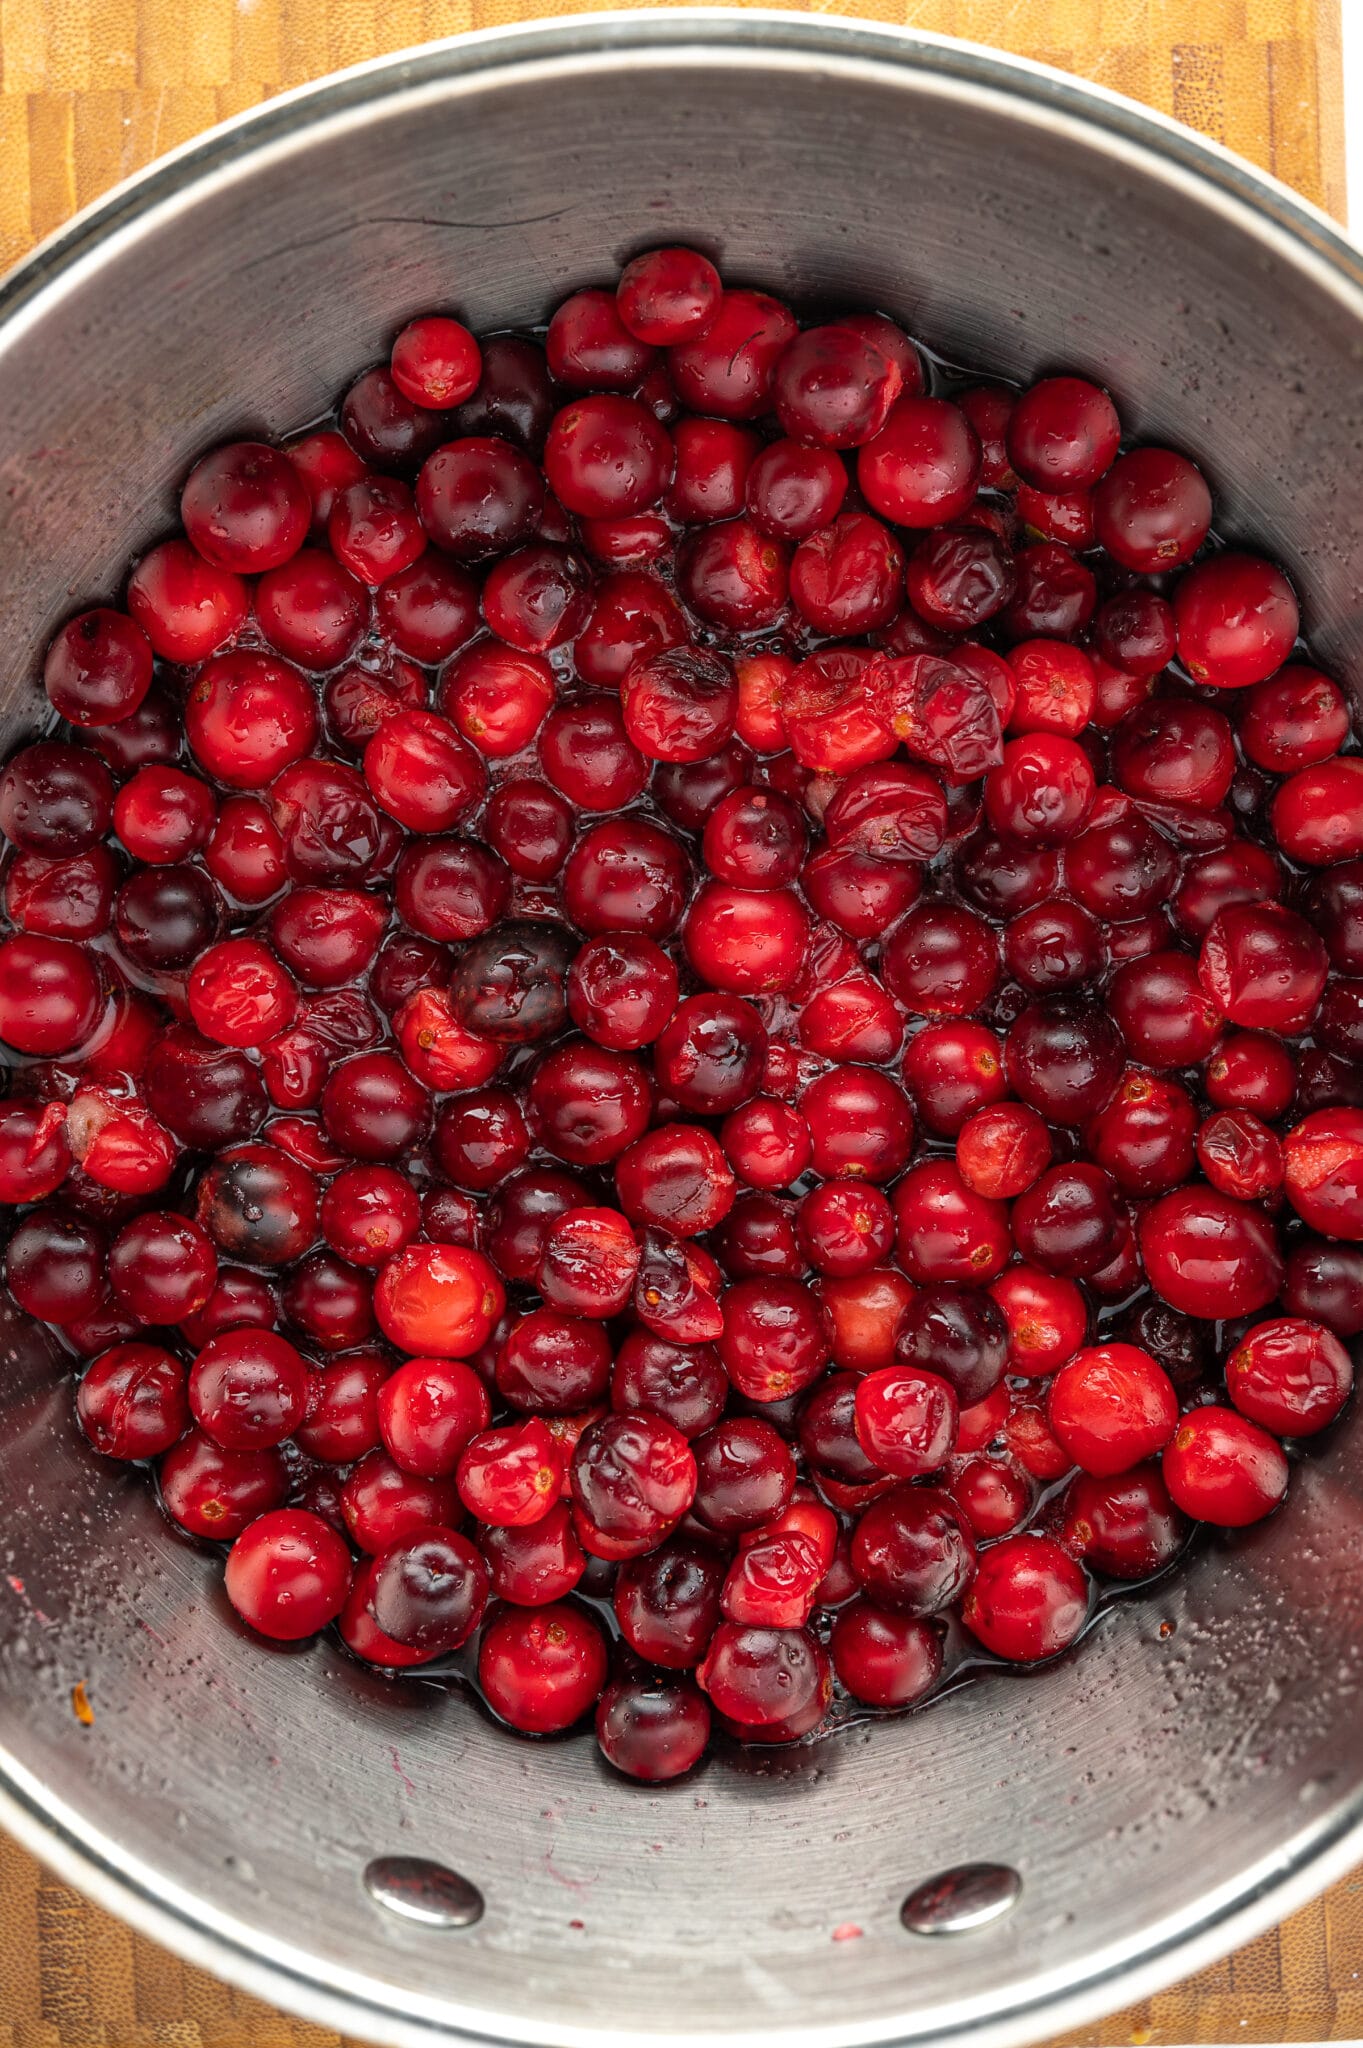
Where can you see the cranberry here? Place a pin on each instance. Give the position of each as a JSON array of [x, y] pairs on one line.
[[906, 1420], [1264, 967], [248, 1389], [161, 1266], [1042, 790], [650, 1731], [606, 456], [912, 1552], [245, 507], [1223, 1468], [1070, 1221], [187, 607], [1126, 1527], [1144, 1135], [588, 1262], [1323, 1156], [1315, 815], [1112, 1407], [50, 996], [541, 1668], [945, 1231], [1001, 1150], [132, 1402], [62, 899], [436, 362], [1063, 434], [668, 296], [215, 1493], [765, 1678], [922, 467], [384, 1505], [478, 496], [55, 799], [438, 1300], [1064, 1058], [1162, 1012], [428, 1593], [745, 1474], [1237, 619], [34, 1153], [553, 1364], [536, 1564], [428, 609], [941, 960], [1152, 510], [247, 717], [98, 668], [728, 368], [1029, 1599], [1325, 1282], [1209, 1254]]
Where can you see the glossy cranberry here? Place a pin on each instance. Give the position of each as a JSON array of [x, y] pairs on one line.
[[846, 578], [1264, 967], [1144, 1135], [98, 668], [1001, 1150], [765, 1678], [1323, 1155], [1042, 790], [1029, 1599], [541, 1669], [441, 1300], [607, 456], [922, 467], [258, 1204], [50, 996], [960, 577], [1064, 1058], [912, 1552], [632, 1478], [55, 799], [713, 460], [536, 1564], [216, 1493], [54, 1266], [588, 1262], [428, 1592], [1315, 815], [844, 1227], [161, 1266], [1133, 631], [668, 296], [1290, 1375], [1111, 1407], [1223, 1468], [248, 716], [745, 1475], [1070, 1221], [450, 889], [187, 607], [728, 369], [1162, 1012], [651, 1731], [1152, 510], [429, 609], [775, 1339], [436, 362], [882, 1658], [421, 771], [1209, 1254], [384, 1505], [793, 491], [1063, 434], [248, 1389], [941, 960], [131, 1402], [478, 496], [428, 1412], [515, 395], [61, 899], [34, 1153], [957, 1333], [245, 508], [906, 1420], [946, 1232], [1237, 619], [553, 1364], [1125, 1527], [342, 1420]]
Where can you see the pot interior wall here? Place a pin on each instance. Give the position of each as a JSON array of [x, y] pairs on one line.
[[1209, 1727]]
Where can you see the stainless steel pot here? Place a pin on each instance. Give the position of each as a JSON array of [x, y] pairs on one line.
[[1198, 1768]]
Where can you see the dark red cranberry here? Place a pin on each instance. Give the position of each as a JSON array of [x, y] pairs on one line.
[[1064, 1058], [215, 1493], [912, 1552], [1029, 1599], [161, 1266], [55, 799], [245, 507], [479, 496], [1063, 434], [1070, 1221]]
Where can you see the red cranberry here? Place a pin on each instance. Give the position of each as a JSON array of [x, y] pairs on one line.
[[1162, 1012], [588, 1262], [1126, 1527], [1290, 1375], [98, 668], [590, 348], [1264, 967], [428, 1593], [922, 467], [945, 1231], [1112, 1407], [131, 1402], [245, 507], [1152, 510], [1210, 1255], [1223, 1468], [34, 1154], [650, 1731], [248, 1390], [187, 607], [428, 1412], [215, 1493], [912, 1552], [1042, 790], [766, 1678], [541, 1669], [1070, 1221], [247, 717], [882, 1658], [553, 1364], [438, 1300], [606, 456], [1323, 1156], [1315, 815], [906, 1420], [384, 1505], [1063, 434], [1001, 1150], [62, 899], [745, 1475], [668, 296], [436, 362], [535, 1565], [478, 496], [1144, 1135], [55, 799], [728, 369], [161, 1266], [50, 996], [1237, 619], [1029, 1599]]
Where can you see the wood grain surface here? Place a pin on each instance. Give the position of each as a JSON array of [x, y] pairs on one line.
[[92, 89]]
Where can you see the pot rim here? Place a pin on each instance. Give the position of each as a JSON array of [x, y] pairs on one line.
[[1298, 232]]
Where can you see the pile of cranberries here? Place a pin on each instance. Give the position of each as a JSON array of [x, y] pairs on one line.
[[685, 1004]]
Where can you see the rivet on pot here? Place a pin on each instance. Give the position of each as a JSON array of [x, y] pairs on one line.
[[955, 1901], [416, 1888]]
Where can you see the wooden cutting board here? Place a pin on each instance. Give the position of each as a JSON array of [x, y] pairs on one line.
[[92, 89]]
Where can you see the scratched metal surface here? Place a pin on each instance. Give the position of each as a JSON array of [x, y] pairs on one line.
[[1209, 1733]]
